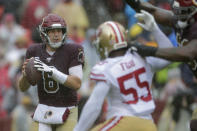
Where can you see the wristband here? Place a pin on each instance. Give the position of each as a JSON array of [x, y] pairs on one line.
[[143, 50], [59, 76], [148, 50]]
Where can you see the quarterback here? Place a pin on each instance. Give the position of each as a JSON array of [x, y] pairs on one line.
[[61, 66]]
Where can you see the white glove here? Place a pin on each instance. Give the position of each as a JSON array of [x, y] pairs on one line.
[[149, 21], [41, 66], [56, 75]]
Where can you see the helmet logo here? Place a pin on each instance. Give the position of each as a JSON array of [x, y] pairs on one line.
[[81, 56]]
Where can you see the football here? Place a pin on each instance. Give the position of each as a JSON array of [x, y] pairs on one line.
[[32, 74]]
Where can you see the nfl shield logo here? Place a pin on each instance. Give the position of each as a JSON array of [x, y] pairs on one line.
[[48, 59]]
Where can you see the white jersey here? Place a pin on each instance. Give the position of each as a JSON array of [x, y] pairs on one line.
[[125, 81], [130, 79]]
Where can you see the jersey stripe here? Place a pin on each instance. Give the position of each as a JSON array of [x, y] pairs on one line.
[[113, 122], [97, 75], [117, 32], [96, 79]]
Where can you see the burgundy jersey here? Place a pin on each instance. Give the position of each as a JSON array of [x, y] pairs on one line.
[[51, 92], [183, 37]]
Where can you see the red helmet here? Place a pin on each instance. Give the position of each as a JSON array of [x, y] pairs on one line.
[[185, 11], [52, 21]]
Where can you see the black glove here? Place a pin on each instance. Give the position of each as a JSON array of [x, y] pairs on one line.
[[134, 4], [143, 50]]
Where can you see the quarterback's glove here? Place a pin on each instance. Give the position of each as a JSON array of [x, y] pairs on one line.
[[143, 50], [41, 66], [135, 4], [56, 75], [149, 23]]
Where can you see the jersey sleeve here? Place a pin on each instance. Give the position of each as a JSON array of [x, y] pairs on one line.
[[157, 63], [97, 72], [161, 39], [77, 56]]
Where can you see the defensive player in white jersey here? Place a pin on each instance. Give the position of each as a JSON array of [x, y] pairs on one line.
[[124, 78]]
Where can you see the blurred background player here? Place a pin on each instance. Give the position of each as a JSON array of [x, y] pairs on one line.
[[61, 66], [119, 69], [183, 19]]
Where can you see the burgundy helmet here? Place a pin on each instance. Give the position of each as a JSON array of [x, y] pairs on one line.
[[52, 21], [185, 11]]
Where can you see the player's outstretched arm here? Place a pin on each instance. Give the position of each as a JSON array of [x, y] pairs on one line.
[[184, 54], [70, 81], [162, 16]]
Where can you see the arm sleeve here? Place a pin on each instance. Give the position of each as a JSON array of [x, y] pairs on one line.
[[157, 63], [93, 107], [163, 42], [76, 71]]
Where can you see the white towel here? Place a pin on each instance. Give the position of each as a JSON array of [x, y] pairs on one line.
[[51, 115]]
